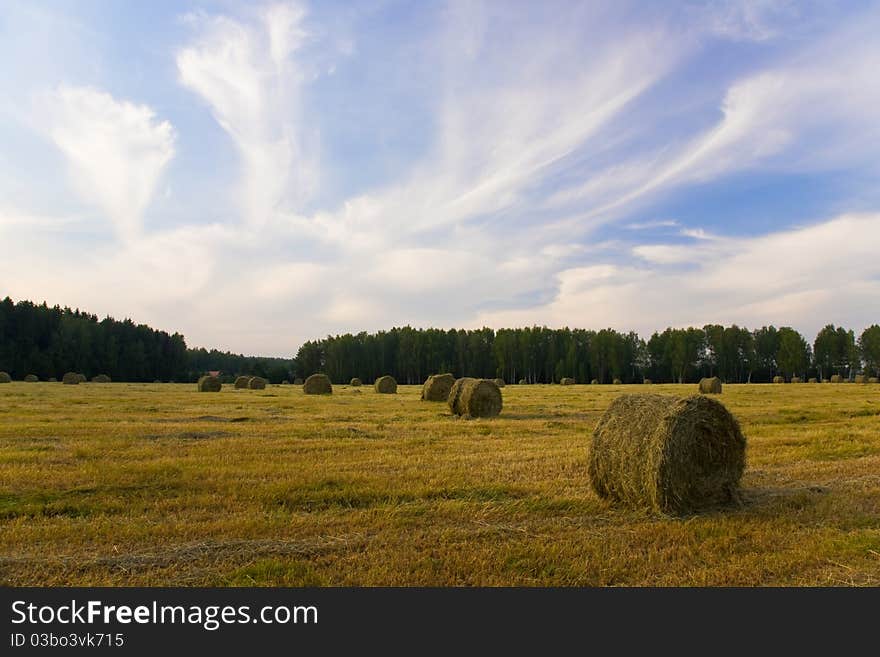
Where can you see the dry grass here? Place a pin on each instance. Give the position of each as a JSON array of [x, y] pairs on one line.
[[155, 484]]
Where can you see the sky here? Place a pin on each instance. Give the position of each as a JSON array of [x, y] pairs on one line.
[[257, 175]]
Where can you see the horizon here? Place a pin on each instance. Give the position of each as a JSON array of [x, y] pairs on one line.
[[255, 177]]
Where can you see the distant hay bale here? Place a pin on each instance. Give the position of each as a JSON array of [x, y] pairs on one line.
[[812, 379], [710, 385], [437, 387], [872, 379], [298, 381], [241, 382], [566, 381], [499, 382], [522, 382], [778, 379], [836, 378], [31, 378], [101, 378], [647, 382], [475, 398], [70, 379], [665, 453], [385, 385], [285, 382], [355, 382], [594, 382], [860, 378], [617, 382], [257, 383], [5, 378], [209, 384], [82, 378], [317, 384], [53, 380], [796, 379]]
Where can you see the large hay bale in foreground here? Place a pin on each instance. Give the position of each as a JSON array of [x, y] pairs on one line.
[[385, 385], [796, 379], [31, 378], [209, 384], [241, 382], [101, 378], [860, 378], [317, 384], [812, 379], [667, 454], [836, 378], [617, 382], [355, 382], [257, 383], [594, 382], [566, 381], [499, 382], [437, 387], [475, 398], [70, 379], [710, 385]]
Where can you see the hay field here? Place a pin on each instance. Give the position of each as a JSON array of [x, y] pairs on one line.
[[158, 484]]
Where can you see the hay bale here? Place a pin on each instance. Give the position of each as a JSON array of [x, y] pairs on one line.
[[617, 382], [209, 384], [257, 383], [812, 379], [566, 381], [241, 382], [499, 382], [5, 378], [522, 382], [355, 382], [860, 378], [872, 379], [70, 379], [317, 384], [385, 385], [836, 378], [298, 381], [82, 378], [475, 398], [647, 382], [710, 385], [437, 387], [101, 378], [594, 382], [665, 453], [285, 382], [778, 379], [31, 378], [796, 379]]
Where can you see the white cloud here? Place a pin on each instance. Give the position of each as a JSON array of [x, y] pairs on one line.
[[116, 150]]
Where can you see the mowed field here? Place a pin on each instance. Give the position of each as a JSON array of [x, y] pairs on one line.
[[157, 484]]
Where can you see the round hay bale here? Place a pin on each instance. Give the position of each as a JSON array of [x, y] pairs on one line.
[[594, 382], [31, 378], [617, 382], [872, 379], [101, 378], [778, 379], [70, 379], [298, 381], [710, 385], [285, 382], [53, 380], [241, 382], [5, 378], [475, 398], [647, 382], [82, 378], [257, 383], [209, 384], [499, 382], [522, 382], [836, 378], [796, 379], [860, 378], [665, 453], [437, 387], [812, 379], [385, 385], [318, 384], [566, 381], [355, 382]]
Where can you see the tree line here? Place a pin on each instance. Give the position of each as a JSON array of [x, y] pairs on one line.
[[49, 341], [543, 355]]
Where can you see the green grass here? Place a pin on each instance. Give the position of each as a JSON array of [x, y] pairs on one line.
[[126, 484]]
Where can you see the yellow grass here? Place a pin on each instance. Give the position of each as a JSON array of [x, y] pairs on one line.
[[158, 484]]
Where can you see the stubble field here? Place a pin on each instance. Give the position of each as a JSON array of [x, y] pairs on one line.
[[157, 484]]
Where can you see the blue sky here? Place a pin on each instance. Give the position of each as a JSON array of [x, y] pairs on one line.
[[255, 175]]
